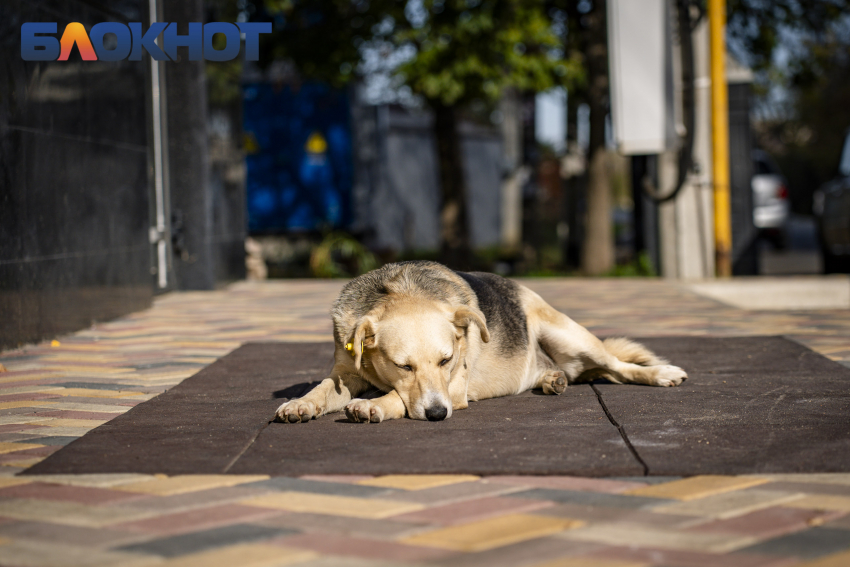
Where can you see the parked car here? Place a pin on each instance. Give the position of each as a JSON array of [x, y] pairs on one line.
[[831, 207], [770, 199]]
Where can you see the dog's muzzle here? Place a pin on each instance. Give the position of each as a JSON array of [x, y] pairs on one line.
[[436, 413]]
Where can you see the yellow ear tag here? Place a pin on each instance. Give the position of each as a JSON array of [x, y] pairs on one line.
[[350, 348]]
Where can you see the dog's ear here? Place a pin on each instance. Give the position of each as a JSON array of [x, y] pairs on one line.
[[364, 336], [465, 315]]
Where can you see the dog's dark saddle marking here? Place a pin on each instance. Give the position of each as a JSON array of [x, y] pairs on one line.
[[498, 299]]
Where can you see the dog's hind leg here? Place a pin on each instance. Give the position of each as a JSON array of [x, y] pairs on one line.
[[552, 380], [583, 357], [332, 394]]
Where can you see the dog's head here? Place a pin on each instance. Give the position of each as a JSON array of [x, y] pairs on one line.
[[414, 347]]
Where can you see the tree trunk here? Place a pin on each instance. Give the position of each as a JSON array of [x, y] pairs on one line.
[[454, 230], [598, 246]]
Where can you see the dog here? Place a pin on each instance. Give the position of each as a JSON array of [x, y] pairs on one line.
[[432, 339]]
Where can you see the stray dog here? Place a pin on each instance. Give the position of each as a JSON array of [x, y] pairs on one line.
[[433, 339]]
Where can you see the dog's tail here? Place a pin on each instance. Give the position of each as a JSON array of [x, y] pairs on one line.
[[625, 350]]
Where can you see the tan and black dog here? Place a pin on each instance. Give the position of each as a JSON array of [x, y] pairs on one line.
[[432, 339]]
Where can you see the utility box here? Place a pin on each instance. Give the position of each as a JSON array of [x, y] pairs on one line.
[[641, 71]]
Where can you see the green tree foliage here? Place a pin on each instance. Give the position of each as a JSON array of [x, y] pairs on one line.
[[324, 38], [756, 26], [468, 50]]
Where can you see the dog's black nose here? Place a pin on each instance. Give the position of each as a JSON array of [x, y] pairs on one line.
[[436, 413]]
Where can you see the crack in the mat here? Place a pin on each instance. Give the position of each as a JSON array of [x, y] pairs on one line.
[[621, 430], [248, 446]]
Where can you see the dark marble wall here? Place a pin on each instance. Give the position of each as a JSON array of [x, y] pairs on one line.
[[74, 191]]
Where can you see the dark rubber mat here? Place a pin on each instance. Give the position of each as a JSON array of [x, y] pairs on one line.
[[752, 405], [755, 404]]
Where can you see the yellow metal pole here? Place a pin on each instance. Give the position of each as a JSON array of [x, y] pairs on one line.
[[720, 138]]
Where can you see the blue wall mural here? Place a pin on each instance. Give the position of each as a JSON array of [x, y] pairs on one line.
[[298, 145]]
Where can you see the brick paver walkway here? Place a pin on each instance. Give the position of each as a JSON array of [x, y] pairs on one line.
[[50, 394]]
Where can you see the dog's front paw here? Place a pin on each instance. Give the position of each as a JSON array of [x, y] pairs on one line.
[[554, 382], [669, 376], [364, 411], [297, 411]]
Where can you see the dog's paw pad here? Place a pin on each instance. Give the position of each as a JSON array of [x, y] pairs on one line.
[[667, 376], [297, 411], [364, 411], [554, 382]]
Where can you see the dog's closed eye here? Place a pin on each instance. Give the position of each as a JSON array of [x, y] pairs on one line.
[[445, 361], [405, 367]]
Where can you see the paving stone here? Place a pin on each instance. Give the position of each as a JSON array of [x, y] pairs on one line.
[[592, 514], [54, 440], [456, 493], [19, 437], [64, 493], [648, 536], [822, 502], [43, 554], [54, 431], [19, 419], [810, 488], [826, 478], [10, 481], [346, 478], [22, 464], [365, 548], [70, 535], [567, 483], [93, 480], [203, 540], [493, 532], [842, 522], [14, 447], [808, 544], [73, 414], [57, 422], [338, 561], [197, 519], [12, 412], [188, 483], [26, 404], [697, 487], [590, 562], [342, 525], [472, 510], [333, 505], [70, 513], [18, 456], [417, 481], [729, 504], [689, 558], [97, 406], [94, 393], [29, 396], [835, 560], [193, 500], [589, 498], [282, 483], [530, 552], [768, 523], [243, 555], [97, 386]]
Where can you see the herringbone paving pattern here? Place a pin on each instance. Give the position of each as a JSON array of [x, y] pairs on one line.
[[52, 393]]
